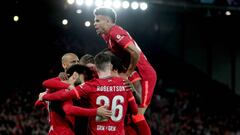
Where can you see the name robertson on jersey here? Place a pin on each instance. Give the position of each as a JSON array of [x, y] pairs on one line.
[[111, 88]]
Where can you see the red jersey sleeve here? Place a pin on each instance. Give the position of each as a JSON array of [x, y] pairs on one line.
[[83, 90], [132, 103], [61, 95], [54, 84], [134, 77], [120, 36], [40, 105], [69, 109]]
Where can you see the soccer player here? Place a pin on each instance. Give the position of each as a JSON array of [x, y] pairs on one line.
[[133, 82], [122, 45], [106, 90], [88, 60], [56, 83], [62, 114], [67, 60]]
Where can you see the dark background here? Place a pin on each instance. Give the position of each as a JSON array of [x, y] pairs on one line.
[[191, 44]]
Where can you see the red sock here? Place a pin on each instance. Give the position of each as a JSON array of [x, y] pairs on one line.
[[142, 125]]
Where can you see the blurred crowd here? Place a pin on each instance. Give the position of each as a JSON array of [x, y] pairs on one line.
[[19, 117], [172, 112]]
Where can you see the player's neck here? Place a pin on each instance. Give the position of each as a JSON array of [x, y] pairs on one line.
[[108, 28], [104, 74]]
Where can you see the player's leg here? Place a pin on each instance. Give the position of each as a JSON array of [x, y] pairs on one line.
[[148, 83]]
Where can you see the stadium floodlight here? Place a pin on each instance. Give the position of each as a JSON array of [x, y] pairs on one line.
[[79, 11], [15, 18], [134, 5], [89, 2], [143, 6], [99, 3], [125, 4], [70, 1], [227, 13], [107, 3], [87, 23], [79, 2], [64, 21], [116, 4]]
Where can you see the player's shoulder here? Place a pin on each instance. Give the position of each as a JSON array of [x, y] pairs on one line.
[[90, 82], [116, 29], [118, 79]]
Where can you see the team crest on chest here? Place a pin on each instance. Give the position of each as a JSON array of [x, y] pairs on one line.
[[119, 37]]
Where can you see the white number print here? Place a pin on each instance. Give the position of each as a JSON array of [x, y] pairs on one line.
[[117, 102]]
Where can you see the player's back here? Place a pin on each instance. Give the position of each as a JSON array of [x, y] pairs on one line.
[[112, 92]]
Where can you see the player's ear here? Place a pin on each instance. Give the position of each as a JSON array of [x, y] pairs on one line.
[[64, 65], [75, 75]]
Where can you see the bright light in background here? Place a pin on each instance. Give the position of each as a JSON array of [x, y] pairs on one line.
[[79, 2], [143, 6], [89, 2], [98, 3], [70, 2], [79, 11], [87, 23], [64, 21], [125, 4], [227, 13], [107, 3], [134, 5], [15, 18], [116, 4]]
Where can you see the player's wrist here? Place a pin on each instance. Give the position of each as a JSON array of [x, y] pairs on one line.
[[70, 87]]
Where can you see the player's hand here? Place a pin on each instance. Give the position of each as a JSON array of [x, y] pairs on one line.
[[129, 85], [63, 76], [70, 87], [103, 111], [40, 96], [124, 76]]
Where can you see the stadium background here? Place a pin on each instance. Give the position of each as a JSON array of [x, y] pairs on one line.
[[193, 45]]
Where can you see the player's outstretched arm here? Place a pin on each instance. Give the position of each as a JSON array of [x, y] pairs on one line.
[[54, 84], [88, 112], [61, 95]]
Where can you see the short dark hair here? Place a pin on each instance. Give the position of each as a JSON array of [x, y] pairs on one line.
[[80, 69], [101, 59], [116, 61], [104, 11], [87, 58]]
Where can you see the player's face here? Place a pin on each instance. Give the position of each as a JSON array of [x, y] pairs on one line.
[[71, 61], [100, 23]]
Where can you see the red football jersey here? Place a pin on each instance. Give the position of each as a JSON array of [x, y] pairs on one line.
[[112, 92], [109, 91], [117, 40]]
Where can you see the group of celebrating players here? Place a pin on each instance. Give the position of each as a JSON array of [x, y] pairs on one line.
[[112, 89]]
